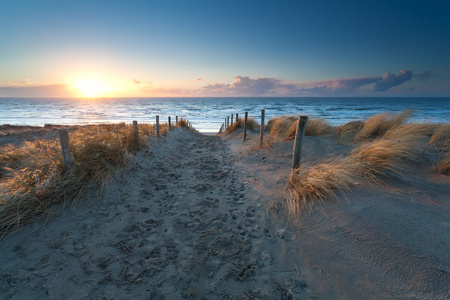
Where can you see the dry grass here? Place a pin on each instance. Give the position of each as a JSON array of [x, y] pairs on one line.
[[182, 123], [35, 178], [285, 127], [314, 127], [443, 164], [251, 124], [379, 124], [321, 183], [393, 152], [346, 132], [279, 126], [441, 136], [239, 123], [317, 127], [440, 140]]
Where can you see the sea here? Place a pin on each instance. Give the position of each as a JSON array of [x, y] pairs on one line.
[[208, 114]]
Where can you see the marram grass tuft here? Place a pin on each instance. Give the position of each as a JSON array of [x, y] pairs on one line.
[[34, 178], [391, 153], [379, 124]]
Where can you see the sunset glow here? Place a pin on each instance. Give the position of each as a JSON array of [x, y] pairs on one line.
[[92, 87], [211, 49]]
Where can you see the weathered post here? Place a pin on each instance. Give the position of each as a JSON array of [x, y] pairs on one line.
[[65, 149], [231, 119], [237, 117], [176, 120], [228, 121], [298, 143], [245, 126], [157, 127], [136, 133], [170, 124], [261, 134]]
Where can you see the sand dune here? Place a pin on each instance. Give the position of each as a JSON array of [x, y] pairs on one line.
[[197, 217]]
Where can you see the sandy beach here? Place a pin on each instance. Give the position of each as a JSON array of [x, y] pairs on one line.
[[199, 217]]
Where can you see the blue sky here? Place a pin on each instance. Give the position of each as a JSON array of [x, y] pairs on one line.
[[225, 48]]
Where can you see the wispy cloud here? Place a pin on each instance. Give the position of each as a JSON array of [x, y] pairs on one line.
[[390, 80], [50, 90], [18, 83], [241, 86], [246, 86]]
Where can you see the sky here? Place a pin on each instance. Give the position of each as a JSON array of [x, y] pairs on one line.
[[193, 48]]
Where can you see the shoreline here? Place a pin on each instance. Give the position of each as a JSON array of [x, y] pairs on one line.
[[208, 114]]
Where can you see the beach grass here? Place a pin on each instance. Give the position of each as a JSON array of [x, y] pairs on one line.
[[379, 124], [347, 132], [182, 123], [364, 166], [440, 140], [441, 136], [285, 127], [443, 164], [319, 183], [278, 127], [34, 177], [239, 123]]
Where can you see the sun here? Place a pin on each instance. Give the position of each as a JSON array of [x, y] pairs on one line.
[[92, 87]]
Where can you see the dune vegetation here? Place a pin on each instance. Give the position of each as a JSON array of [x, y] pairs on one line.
[[239, 123], [389, 146], [440, 140], [379, 124], [33, 176], [182, 123], [285, 127], [347, 132]]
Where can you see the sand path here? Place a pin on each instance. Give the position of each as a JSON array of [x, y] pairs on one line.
[[192, 218], [176, 225]]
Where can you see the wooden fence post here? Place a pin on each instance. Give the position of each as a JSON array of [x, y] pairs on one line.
[[231, 119], [228, 121], [237, 117], [261, 134], [245, 126], [170, 124], [157, 126], [176, 120], [65, 149], [298, 143], [136, 133]]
